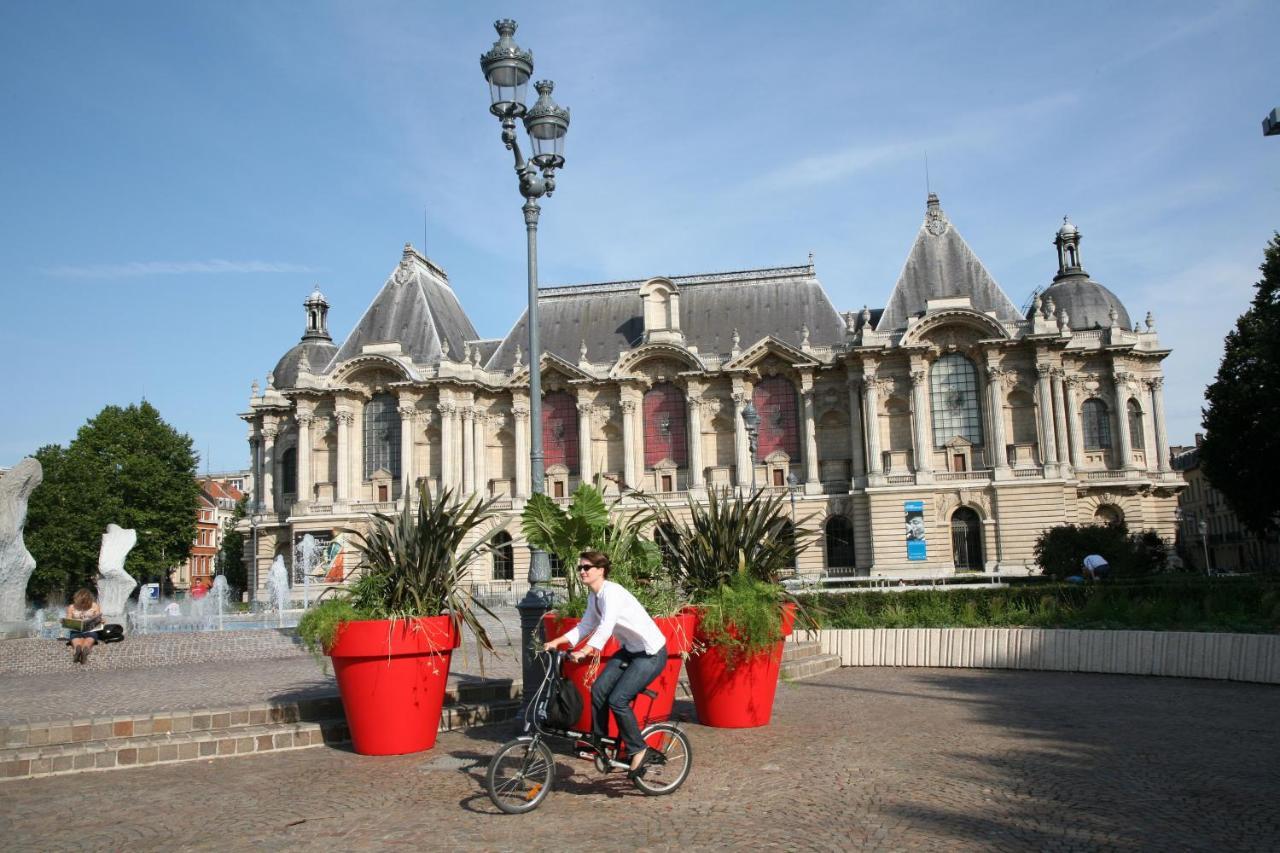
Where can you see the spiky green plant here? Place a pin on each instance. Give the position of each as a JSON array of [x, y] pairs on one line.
[[591, 524], [414, 564]]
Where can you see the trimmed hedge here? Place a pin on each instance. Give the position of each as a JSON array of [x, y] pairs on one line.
[[1240, 605]]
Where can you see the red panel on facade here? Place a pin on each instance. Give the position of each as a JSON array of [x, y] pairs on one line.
[[775, 401], [559, 430], [666, 430]]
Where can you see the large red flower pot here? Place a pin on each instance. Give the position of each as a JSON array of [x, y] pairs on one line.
[[741, 696], [392, 676], [678, 631]]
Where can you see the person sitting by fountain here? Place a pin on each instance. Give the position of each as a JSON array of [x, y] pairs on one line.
[[199, 589], [84, 608]]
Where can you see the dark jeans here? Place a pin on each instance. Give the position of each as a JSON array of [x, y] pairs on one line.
[[617, 687]]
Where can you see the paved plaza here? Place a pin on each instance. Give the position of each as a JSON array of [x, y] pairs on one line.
[[856, 758]]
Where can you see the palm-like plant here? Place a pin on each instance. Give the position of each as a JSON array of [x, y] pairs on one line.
[[414, 565], [728, 535]]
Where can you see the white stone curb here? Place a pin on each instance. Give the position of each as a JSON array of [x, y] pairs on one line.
[[1230, 657]]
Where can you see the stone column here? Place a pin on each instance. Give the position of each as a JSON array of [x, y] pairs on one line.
[[922, 442], [344, 418], [268, 468], [1157, 418], [812, 480], [520, 411], [408, 408], [305, 418], [355, 459], [468, 416], [255, 466], [696, 468], [585, 408], [1121, 384], [871, 417], [480, 425], [857, 460], [1048, 441], [1072, 383], [1060, 416], [630, 474], [448, 450], [995, 405], [741, 443]]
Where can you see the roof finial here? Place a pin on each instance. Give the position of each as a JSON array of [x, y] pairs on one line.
[[736, 340], [934, 219], [582, 351], [519, 362]]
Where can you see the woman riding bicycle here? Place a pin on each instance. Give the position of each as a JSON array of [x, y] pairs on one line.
[[612, 611]]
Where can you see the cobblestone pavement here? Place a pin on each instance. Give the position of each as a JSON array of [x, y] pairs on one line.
[[857, 758], [80, 692]]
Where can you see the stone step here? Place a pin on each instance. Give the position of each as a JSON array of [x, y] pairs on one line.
[[808, 666], [799, 649], [320, 707], [25, 762]]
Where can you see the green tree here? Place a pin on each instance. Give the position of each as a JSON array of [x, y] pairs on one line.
[[231, 554], [1241, 450], [127, 466]]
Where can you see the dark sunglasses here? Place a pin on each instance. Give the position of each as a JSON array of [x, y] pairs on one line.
[[586, 567]]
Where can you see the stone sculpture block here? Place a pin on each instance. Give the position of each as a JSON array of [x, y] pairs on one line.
[[16, 562], [114, 583]]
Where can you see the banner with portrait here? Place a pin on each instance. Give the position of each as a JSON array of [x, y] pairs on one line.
[[916, 545]]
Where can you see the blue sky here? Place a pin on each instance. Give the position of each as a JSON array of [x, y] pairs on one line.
[[175, 177]]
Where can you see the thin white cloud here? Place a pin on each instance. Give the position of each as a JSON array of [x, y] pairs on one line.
[[976, 131], [136, 269]]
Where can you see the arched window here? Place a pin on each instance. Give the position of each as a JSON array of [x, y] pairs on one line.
[[559, 430], [504, 558], [954, 403], [1108, 514], [381, 436], [789, 536], [775, 400], [1136, 438], [289, 471], [966, 540], [666, 537], [666, 426], [840, 552], [1096, 424]]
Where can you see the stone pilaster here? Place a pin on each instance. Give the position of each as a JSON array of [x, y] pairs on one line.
[[407, 411], [631, 471], [468, 417], [305, 486], [1156, 387], [999, 450], [812, 480], [343, 465], [585, 409], [857, 456], [520, 411], [1044, 402], [1071, 385], [268, 467], [871, 417], [1060, 416], [1120, 381], [696, 467], [922, 441]]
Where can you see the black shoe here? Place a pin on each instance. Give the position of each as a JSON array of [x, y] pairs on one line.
[[638, 771]]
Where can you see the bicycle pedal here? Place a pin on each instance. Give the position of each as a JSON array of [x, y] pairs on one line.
[[586, 753]]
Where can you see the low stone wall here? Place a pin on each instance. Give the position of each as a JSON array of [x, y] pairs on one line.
[[1231, 657], [31, 656]]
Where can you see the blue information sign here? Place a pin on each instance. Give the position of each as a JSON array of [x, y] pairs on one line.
[[916, 547]]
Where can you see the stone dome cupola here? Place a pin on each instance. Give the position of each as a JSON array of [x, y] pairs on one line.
[[316, 349], [1088, 304]]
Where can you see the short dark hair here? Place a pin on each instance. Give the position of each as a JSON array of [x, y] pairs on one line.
[[597, 558]]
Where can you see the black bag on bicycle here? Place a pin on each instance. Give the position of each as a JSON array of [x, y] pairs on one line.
[[564, 705]]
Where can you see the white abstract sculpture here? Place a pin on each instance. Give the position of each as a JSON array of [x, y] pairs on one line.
[[16, 562], [114, 583]]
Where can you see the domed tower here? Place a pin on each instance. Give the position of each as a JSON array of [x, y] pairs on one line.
[[1088, 304], [314, 351]]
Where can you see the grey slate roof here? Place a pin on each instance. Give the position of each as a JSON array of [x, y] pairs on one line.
[[609, 318], [941, 264], [318, 355], [417, 308], [1087, 303]]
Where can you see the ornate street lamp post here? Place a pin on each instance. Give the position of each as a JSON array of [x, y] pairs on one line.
[[508, 69]]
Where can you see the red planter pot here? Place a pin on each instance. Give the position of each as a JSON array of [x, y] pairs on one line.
[[740, 697], [678, 631], [392, 677]]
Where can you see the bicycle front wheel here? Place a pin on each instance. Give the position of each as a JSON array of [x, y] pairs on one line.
[[520, 775], [669, 762]]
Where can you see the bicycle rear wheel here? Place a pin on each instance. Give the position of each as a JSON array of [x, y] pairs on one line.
[[669, 761], [520, 775]]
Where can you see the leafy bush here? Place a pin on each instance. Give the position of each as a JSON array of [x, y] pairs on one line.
[[1060, 551], [414, 565], [1177, 603]]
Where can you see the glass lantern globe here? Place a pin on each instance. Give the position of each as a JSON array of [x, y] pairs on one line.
[[547, 123], [508, 69]]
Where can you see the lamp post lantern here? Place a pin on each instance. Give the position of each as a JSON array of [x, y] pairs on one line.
[[508, 69]]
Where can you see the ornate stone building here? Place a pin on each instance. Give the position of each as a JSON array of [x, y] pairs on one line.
[[949, 413]]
